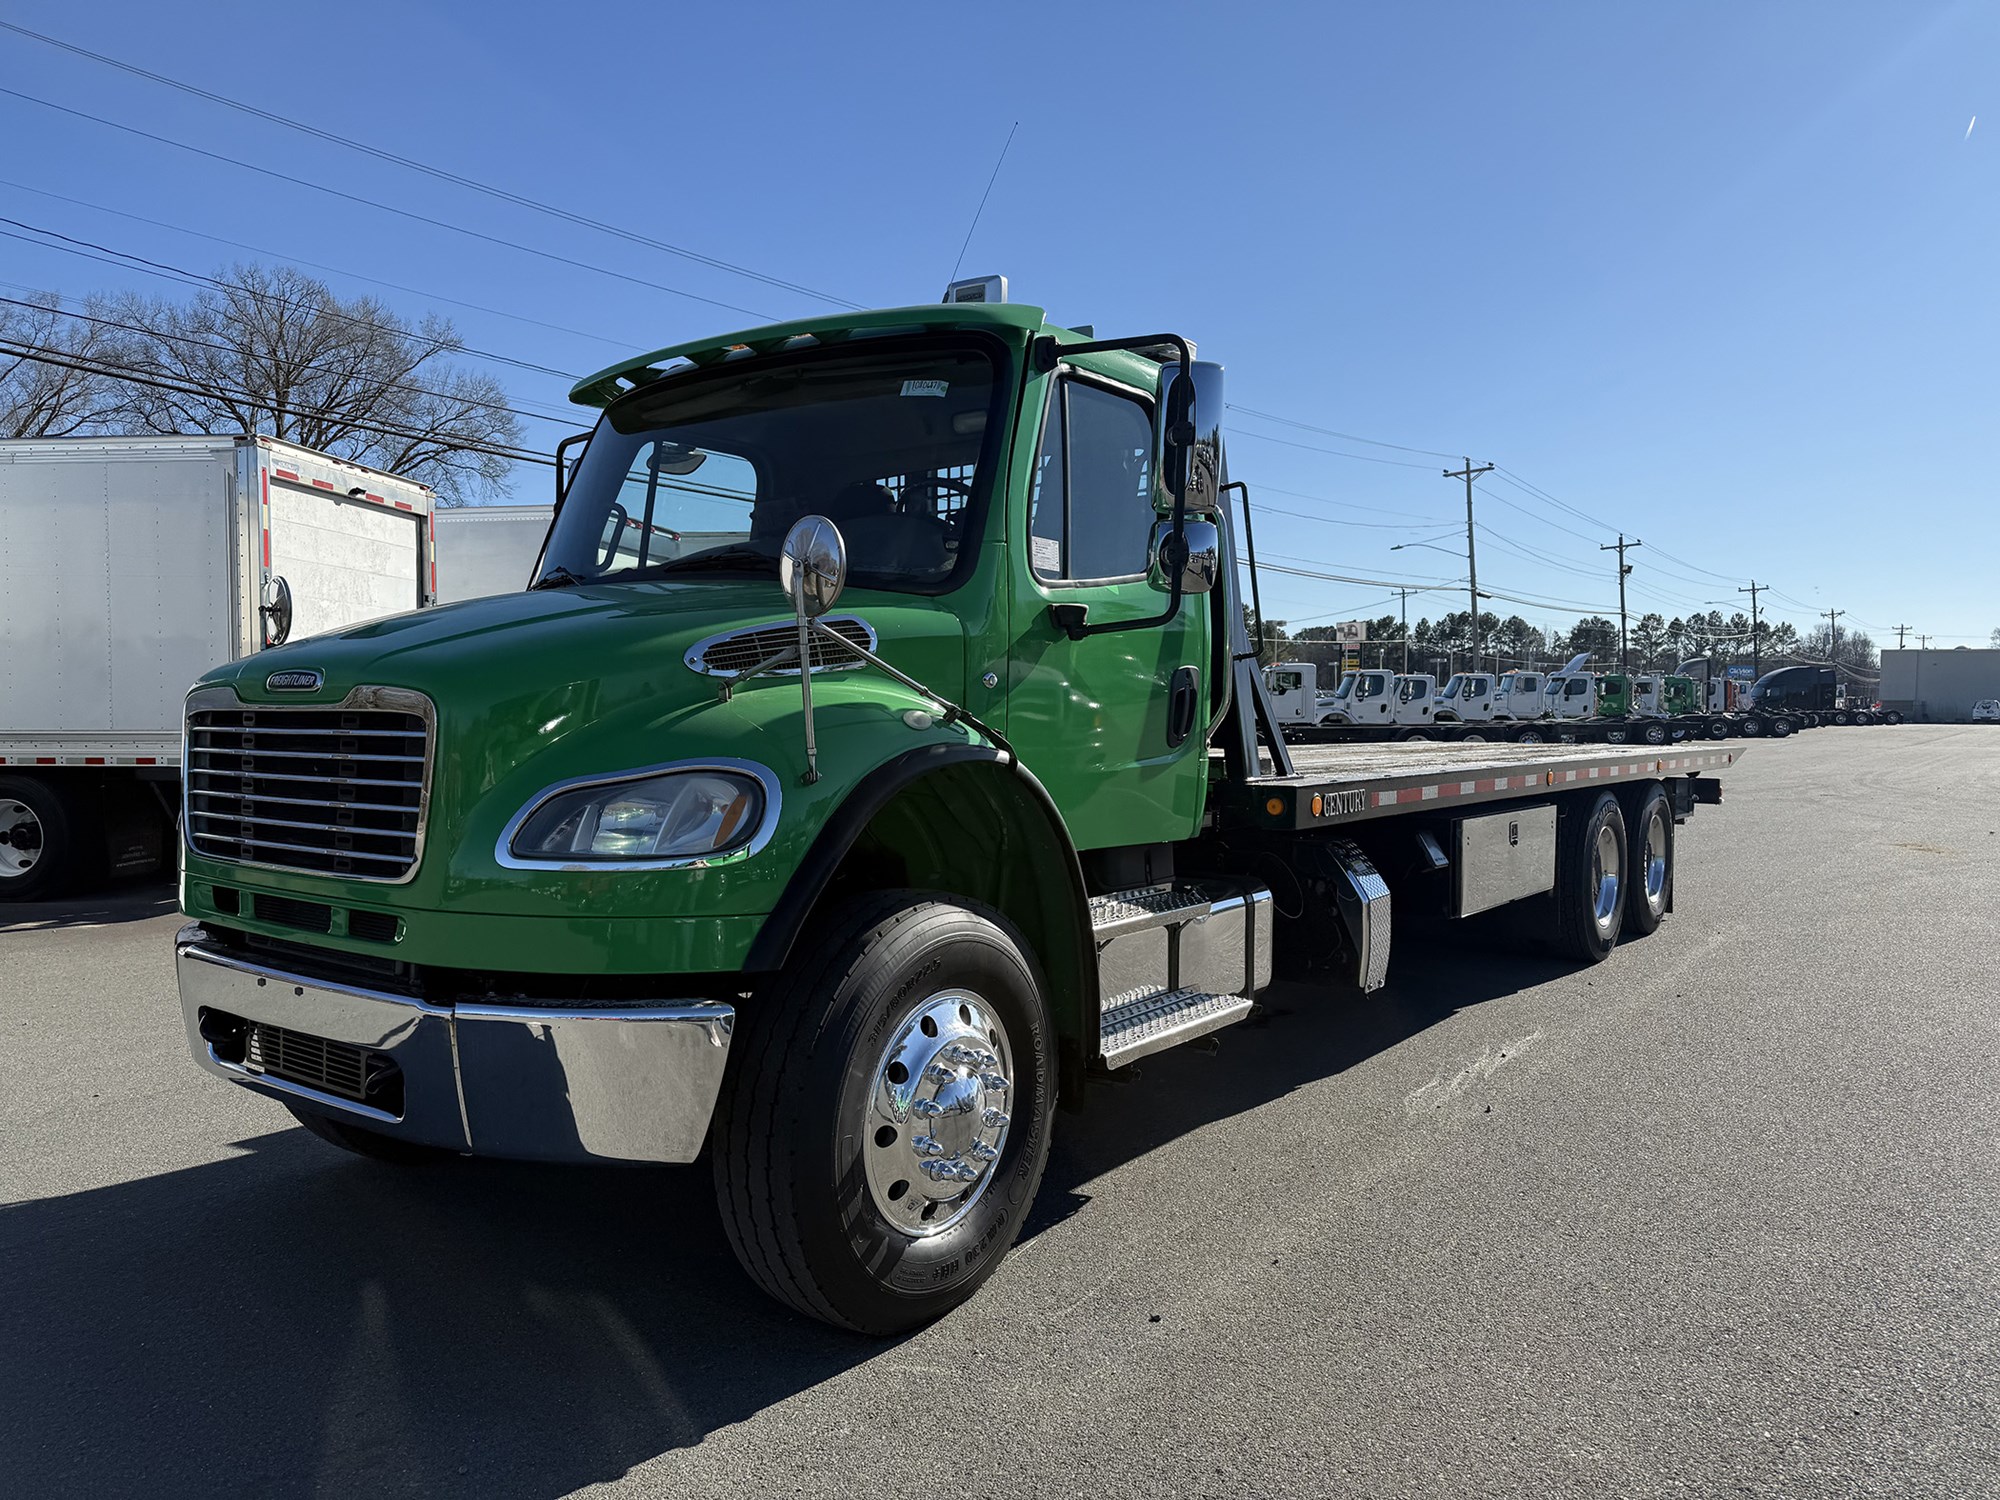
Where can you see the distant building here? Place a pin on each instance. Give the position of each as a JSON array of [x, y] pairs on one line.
[[1939, 687]]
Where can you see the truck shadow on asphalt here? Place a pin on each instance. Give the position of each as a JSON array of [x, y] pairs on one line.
[[135, 901], [290, 1321]]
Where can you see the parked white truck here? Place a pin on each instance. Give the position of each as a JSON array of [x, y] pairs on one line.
[[128, 567], [485, 550]]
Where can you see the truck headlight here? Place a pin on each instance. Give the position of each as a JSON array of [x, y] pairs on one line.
[[658, 816]]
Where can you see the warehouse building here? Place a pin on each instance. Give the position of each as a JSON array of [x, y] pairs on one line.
[[1939, 687]]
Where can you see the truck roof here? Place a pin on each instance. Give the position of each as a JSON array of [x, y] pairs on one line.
[[608, 384]]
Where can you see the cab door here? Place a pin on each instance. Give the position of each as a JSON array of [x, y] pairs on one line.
[[1115, 725]]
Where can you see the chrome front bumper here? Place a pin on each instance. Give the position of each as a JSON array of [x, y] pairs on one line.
[[625, 1083]]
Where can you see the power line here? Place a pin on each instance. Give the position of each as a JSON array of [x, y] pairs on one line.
[[387, 208], [441, 174], [560, 419], [1251, 411], [171, 272], [40, 354], [1005, 146], [317, 265], [1366, 458]]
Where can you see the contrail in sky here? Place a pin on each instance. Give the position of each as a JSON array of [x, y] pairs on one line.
[[1968, 129]]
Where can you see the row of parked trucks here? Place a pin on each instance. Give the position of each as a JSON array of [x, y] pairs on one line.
[[1574, 704]]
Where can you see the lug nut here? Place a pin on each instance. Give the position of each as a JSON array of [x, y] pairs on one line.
[[939, 1073], [982, 1152], [926, 1145], [993, 1119], [928, 1109], [995, 1081]]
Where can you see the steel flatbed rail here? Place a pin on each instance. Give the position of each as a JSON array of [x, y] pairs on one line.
[[1338, 784]]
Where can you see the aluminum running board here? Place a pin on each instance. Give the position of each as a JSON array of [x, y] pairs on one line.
[[1146, 1021]]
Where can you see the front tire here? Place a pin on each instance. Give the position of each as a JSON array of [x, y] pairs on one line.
[[882, 1133]]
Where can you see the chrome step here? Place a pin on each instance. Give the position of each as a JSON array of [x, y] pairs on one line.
[[1134, 911], [1147, 1021]]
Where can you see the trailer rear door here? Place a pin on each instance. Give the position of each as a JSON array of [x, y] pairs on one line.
[[346, 560]]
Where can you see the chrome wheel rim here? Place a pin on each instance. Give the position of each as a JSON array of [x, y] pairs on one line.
[[1654, 853], [1604, 873], [21, 837], [937, 1113]]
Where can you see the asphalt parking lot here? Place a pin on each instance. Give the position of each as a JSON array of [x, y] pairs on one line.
[[1721, 1215]]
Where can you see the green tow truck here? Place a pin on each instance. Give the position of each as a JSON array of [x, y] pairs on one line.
[[877, 759]]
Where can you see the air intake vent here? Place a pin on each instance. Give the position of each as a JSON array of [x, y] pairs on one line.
[[735, 652], [307, 916], [332, 790]]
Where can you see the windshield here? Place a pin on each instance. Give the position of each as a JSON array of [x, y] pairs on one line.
[[707, 474], [1451, 688], [1346, 688]]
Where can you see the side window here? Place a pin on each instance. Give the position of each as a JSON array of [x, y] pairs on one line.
[[1099, 525]]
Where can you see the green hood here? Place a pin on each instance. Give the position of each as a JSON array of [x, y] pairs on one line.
[[536, 688]]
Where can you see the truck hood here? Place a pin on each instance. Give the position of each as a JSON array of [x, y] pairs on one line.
[[535, 688]]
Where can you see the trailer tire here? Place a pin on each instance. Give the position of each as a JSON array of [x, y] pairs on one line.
[[1783, 729], [45, 843], [1591, 866], [1416, 734], [1755, 726], [1655, 734], [362, 1141], [810, 1128], [1891, 716], [1840, 717], [1530, 736], [1650, 891], [1718, 729]]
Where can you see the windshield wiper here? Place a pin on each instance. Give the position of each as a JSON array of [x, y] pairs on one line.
[[720, 557], [557, 577]]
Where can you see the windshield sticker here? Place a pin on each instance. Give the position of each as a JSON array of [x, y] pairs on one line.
[[1047, 553], [926, 387]]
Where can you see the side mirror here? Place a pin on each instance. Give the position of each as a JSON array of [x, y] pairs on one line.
[[276, 610], [1197, 556], [812, 568], [1177, 439]]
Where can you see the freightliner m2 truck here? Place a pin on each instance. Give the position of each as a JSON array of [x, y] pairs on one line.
[[877, 758]]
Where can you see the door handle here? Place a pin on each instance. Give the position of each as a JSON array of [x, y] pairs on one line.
[[1183, 699]]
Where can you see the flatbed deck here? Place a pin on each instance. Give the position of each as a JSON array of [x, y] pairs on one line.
[[1336, 784]]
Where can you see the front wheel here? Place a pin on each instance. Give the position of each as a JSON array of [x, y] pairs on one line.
[[883, 1130]]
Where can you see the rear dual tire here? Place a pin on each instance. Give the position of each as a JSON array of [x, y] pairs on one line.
[[1591, 863]]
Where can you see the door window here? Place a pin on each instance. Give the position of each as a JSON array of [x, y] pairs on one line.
[[1091, 515]]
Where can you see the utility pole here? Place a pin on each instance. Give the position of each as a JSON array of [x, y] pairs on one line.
[[1406, 630], [1468, 474], [1756, 655], [1923, 643], [1833, 642], [1624, 662], [1901, 631]]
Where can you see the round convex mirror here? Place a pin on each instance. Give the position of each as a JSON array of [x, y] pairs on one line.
[[813, 567], [277, 610]]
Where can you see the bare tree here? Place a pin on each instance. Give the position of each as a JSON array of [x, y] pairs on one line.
[[272, 350], [51, 380]]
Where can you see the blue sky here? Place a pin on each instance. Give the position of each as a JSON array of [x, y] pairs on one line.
[[1720, 275]]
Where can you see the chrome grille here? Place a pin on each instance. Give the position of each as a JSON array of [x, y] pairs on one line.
[[735, 652], [330, 1067], [337, 789]]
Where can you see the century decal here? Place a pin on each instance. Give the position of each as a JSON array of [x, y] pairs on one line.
[[1336, 803]]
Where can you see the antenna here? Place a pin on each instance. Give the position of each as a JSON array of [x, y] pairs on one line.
[[982, 203]]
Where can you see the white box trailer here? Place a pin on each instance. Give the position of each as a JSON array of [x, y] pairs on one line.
[[488, 549], [128, 567]]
